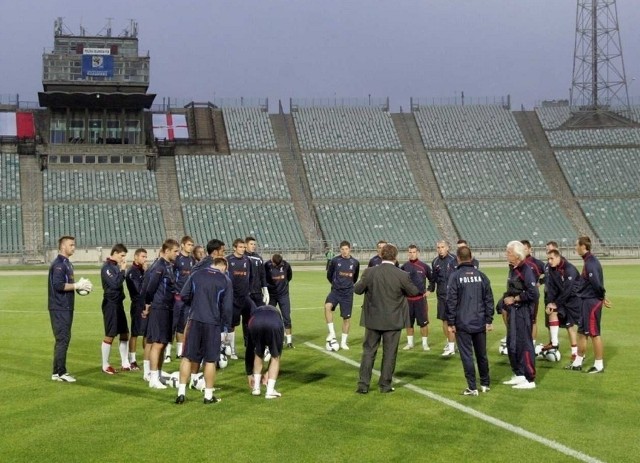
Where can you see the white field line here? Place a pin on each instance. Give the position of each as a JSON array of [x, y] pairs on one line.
[[470, 411]]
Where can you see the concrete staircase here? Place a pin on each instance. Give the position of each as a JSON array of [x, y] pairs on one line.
[[169, 198], [547, 163], [416, 154], [220, 130], [32, 203], [291, 158]]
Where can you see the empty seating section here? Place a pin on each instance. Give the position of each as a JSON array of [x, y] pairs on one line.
[[87, 185], [252, 176], [364, 223], [345, 129], [479, 126], [9, 177], [359, 175], [553, 117], [616, 221], [601, 172], [495, 223], [11, 229], [249, 129], [594, 137], [274, 225], [487, 174], [96, 224]]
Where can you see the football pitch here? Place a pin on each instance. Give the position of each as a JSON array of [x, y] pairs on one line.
[[571, 416]]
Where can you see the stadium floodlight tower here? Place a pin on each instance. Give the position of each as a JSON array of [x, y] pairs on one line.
[[599, 95]]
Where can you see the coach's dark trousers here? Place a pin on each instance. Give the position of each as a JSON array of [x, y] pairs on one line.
[[390, 340], [61, 321], [468, 344], [522, 355]]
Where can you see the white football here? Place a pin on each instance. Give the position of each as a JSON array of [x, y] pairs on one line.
[[82, 292], [226, 350], [267, 355], [553, 355], [170, 381], [538, 350], [222, 362], [332, 345], [198, 382], [503, 350]]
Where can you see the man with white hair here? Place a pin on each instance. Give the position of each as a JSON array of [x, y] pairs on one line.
[[522, 293]]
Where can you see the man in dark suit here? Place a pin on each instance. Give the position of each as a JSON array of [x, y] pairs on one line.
[[385, 313]]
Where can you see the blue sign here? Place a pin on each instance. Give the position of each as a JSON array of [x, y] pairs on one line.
[[97, 65]]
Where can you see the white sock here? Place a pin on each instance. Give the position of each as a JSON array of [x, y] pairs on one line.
[[410, 340], [146, 367], [167, 350], [124, 354], [553, 331], [178, 349], [106, 351], [578, 361], [153, 376], [231, 337], [182, 389], [271, 385], [208, 393], [574, 350], [599, 364], [257, 379], [344, 338], [288, 338], [451, 346], [332, 331], [425, 340], [132, 357]]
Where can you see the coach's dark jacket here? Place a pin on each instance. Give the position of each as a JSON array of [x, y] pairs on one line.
[[469, 299], [385, 290]]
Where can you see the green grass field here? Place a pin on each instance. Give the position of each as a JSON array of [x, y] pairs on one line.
[[319, 417]]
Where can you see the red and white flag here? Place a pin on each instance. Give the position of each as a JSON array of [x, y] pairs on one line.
[[18, 124]]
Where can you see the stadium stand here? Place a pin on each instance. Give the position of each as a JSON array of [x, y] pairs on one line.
[[273, 224], [617, 221], [9, 176], [344, 128], [553, 117], [225, 177], [601, 172], [101, 224], [491, 223], [11, 240], [475, 126], [364, 223], [249, 129], [85, 185], [359, 175], [594, 137], [487, 174]]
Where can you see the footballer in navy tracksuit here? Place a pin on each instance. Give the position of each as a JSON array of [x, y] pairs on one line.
[[266, 330], [591, 293], [561, 284], [61, 304], [159, 291], [114, 318], [537, 266], [469, 313], [240, 269], [522, 293], [209, 294], [258, 277], [134, 277], [279, 274], [342, 274], [182, 267], [420, 273], [441, 269]]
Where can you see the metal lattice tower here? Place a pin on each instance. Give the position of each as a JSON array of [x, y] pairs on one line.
[[599, 83]]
